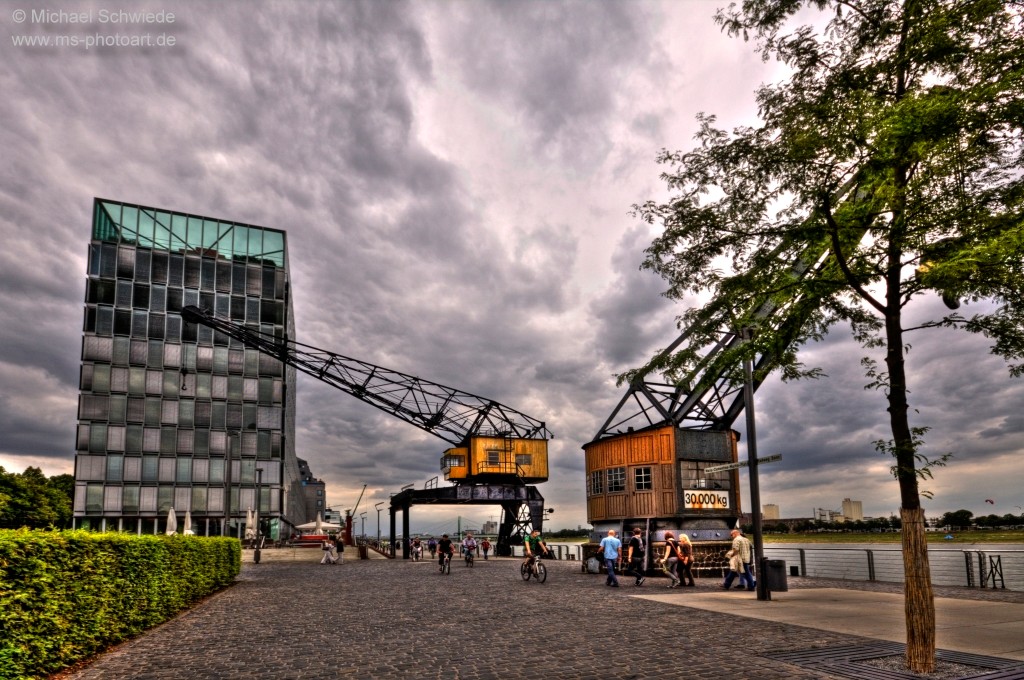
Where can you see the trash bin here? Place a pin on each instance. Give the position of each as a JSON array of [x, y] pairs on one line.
[[363, 555], [775, 575]]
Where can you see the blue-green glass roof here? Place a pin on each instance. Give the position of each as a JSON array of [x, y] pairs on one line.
[[116, 222]]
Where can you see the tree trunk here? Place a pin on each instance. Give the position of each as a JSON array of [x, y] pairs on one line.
[[919, 601]]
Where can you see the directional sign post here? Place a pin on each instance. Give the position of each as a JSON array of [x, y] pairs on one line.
[[742, 463]]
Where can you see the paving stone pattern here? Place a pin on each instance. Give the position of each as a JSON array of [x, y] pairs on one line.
[[395, 619]]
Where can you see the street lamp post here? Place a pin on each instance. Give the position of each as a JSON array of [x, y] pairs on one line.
[[763, 593], [362, 525], [377, 506], [259, 534]]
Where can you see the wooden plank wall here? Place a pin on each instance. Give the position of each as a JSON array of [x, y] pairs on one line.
[[653, 448]]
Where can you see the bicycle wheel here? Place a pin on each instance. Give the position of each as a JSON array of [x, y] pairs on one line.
[[447, 566], [526, 572], [542, 573], [469, 560]]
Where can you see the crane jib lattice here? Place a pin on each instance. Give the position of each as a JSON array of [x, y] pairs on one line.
[[446, 412], [710, 393]]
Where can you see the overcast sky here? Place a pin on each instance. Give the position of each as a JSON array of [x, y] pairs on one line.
[[455, 179]]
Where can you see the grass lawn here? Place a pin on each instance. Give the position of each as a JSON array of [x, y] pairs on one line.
[[994, 536]]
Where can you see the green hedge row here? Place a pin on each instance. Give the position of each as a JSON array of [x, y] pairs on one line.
[[66, 595]]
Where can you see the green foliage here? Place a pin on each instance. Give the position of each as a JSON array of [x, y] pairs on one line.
[[889, 165], [67, 595], [957, 518], [31, 500]]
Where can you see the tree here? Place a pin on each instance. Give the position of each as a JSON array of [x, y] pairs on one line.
[[958, 519], [31, 500], [886, 166]]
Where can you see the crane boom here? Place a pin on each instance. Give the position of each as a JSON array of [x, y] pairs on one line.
[[445, 412]]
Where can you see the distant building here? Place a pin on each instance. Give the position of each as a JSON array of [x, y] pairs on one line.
[[490, 528], [823, 515], [314, 492], [853, 510], [770, 511]]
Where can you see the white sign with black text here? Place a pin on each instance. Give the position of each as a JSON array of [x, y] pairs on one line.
[[703, 499]]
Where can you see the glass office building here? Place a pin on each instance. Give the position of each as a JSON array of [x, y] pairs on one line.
[[176, 415]]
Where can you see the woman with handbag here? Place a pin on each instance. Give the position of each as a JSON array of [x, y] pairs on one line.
[[669, 562]]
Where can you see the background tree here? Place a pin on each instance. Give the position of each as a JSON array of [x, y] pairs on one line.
[[887, 165], [31, 500], [958, 519]]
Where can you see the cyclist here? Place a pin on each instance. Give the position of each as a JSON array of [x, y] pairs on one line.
[[444, 547], [417, 548], [533, 545], [469, 544], [432, 547]]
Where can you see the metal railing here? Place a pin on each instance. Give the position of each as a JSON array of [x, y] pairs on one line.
[[970, 568]]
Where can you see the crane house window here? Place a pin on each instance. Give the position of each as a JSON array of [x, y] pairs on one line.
[[642, 479], [452, 461], [524, 459], [493, 457], [616, 479], [692, 475], [597, 481]]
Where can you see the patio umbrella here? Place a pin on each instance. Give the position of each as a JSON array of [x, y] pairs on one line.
[[319, 528], [172, 522], [250, 525], [188, 524]]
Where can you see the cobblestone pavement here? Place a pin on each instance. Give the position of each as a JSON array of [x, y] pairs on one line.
[[379, 618]]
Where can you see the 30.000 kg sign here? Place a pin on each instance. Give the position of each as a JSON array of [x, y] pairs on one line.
[[705, 500]]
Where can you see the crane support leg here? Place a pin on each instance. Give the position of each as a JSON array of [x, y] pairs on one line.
[[518, 519]]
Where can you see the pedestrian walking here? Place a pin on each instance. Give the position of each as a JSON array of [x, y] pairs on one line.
[[330, 552], [635, 556], [670, 560], [741, 558], [610, 547], [485, 545], [684, 568]]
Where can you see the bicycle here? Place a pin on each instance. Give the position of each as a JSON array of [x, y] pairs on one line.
[[417, 554], [446, 565], [534, 568], [469, 558]]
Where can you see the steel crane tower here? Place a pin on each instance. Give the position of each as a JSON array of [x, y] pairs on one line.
[[496, 451]]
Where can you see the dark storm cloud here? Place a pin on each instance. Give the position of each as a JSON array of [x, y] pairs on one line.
[[310, 117], [633, 319], [559, 66]]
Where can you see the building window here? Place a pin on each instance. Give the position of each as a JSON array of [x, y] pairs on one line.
[[493, 457], [616, 479], [597, 481], [642, 480], [692, 475], [453, 461], [524, 459]]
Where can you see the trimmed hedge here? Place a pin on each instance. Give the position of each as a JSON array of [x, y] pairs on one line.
[[67, 595]]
